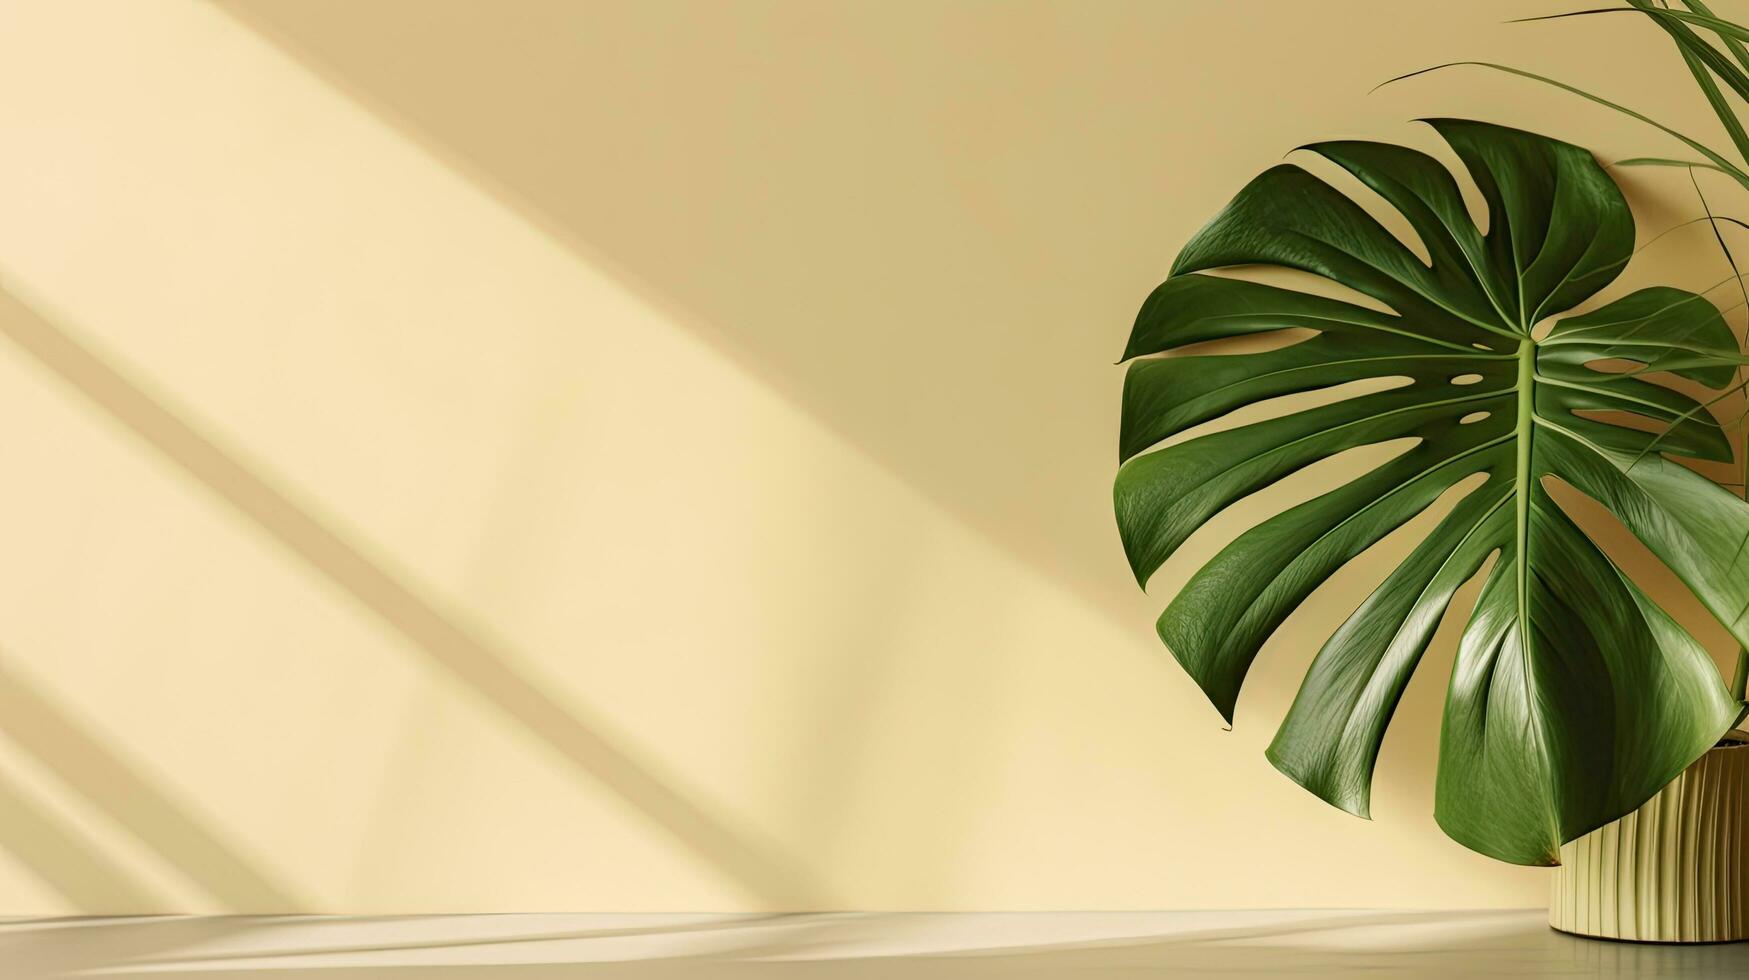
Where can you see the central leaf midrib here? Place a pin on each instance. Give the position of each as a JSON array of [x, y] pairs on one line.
[[1523, 482], [1525, 427]]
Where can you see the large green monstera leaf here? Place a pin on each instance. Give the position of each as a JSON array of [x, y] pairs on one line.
[[1574, 697]]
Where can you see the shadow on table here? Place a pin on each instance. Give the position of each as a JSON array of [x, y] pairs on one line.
[[853, 947]]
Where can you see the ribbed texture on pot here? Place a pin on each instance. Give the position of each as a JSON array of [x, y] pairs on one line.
[[1672, 871]]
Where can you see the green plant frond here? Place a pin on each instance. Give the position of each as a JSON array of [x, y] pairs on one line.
[[1574, 697]]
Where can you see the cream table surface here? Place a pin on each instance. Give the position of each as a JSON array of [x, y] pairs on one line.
[[1234, 944]]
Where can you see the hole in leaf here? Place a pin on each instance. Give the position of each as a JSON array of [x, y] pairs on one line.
[[1617, 365], [1252, 343], [1466, 379], [1474, 417], [1631, 420]]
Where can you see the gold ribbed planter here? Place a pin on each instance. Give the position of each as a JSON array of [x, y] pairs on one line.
[[1673, 871]]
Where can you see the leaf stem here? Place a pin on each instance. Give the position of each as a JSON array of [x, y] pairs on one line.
[[1524, 478]]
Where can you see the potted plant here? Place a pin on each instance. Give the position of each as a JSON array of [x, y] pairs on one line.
[[1616, 882], [1574, 699]]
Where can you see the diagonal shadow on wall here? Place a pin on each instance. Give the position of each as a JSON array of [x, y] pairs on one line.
[[66, 860], [819, 263], [756, 867], [132, 802]]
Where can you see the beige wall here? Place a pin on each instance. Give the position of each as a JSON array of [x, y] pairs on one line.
[[629, 455]]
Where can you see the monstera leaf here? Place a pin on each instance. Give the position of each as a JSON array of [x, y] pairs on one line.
[[1574, 697]]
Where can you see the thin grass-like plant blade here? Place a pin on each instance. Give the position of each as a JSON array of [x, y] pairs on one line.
[[1667, 162], [1722, 163], [1732, 44], [1740, 678], [1704, 61], [1717, 25]]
